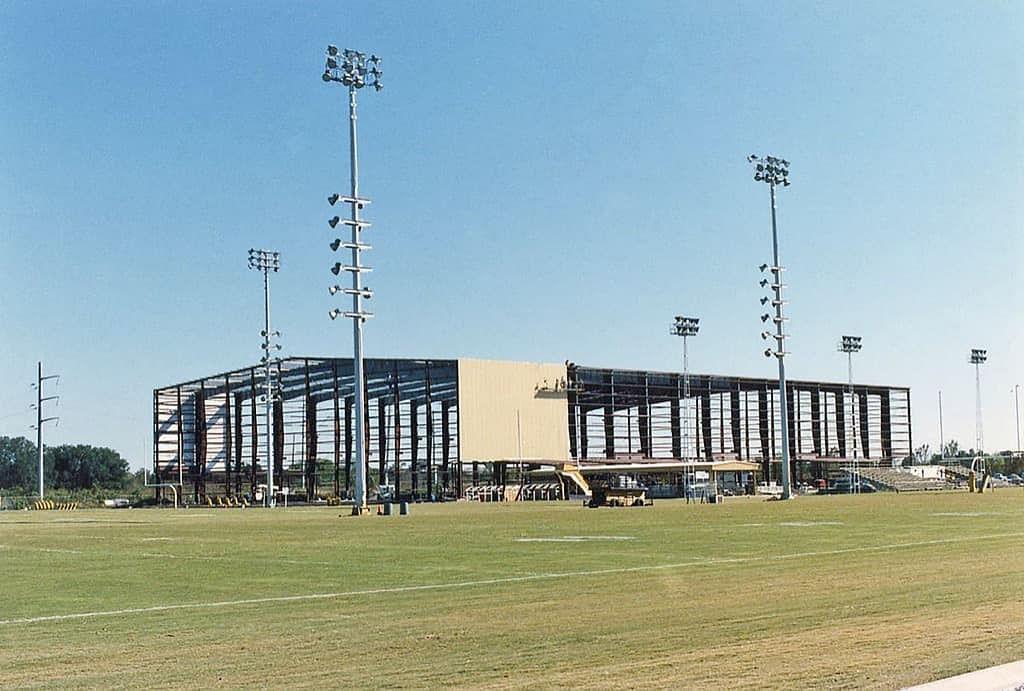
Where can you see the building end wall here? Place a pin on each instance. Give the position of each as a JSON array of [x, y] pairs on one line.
[[493, 394]]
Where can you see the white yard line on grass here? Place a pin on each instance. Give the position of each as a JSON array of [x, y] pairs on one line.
[[498, 581]]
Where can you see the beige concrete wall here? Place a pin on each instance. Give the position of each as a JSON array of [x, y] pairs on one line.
[[490, 393]]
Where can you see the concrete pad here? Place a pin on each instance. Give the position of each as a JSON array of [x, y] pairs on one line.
[[1008, 677]]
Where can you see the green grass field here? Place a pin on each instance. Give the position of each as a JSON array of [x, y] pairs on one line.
[[877, 590]]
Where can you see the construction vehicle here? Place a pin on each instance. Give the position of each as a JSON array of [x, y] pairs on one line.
[[617, 490]]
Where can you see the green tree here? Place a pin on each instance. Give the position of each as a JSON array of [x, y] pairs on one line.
[[86, 467], [18, 463]]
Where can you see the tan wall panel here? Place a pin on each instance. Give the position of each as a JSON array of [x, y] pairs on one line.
[[490, 393]]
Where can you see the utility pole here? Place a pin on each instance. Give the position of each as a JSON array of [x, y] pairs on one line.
[[40, 399]]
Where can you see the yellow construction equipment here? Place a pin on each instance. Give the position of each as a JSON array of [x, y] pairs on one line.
[[618, 490]]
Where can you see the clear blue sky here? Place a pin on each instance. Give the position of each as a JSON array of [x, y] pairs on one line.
[[550, 181]]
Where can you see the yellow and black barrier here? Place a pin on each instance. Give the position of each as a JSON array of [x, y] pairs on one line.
[[50, 505]]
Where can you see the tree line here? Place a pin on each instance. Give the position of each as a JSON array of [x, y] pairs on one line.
[[70, 466]]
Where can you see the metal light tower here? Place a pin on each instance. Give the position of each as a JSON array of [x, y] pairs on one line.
[[267, 261], [40, 398], [851, 345], [354, 70], [978, 358], [1016, 414], [686, 327], [775, 171]]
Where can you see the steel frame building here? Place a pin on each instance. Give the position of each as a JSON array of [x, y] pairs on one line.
[[207, 431]]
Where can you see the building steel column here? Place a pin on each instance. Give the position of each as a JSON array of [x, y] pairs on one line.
[[572, 404], [199, 443], [886, 426], [826, 441], [255, 434], [816, 421], [278, 410], [762, 429], [348, 444], [643, 416], [865, 431], [584, 441], [705, 418], [446, 438], [794, 401], [238, 444], [311, 448], [227, 435], [337, 429], [609, 418], [675, 428], [397, 403], [414, 440], [428, 405], [181, 448], [367, 436], [746, 422], [841, 422], [737, 438], [311, 440], [382, 441]]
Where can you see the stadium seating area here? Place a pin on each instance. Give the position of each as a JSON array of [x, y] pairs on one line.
[[896, 480]]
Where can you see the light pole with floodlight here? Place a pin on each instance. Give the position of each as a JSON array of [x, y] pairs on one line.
[[686, 327], [354, 70], [775, 171], [851, 345], [267, 261], [978, 358]]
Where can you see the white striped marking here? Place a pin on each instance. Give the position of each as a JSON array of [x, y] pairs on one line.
[[497, 581]]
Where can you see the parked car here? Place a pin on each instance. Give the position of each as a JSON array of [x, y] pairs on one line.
[[846, 487]]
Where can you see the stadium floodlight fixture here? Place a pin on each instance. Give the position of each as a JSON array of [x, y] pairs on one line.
[[355, 70], [850, 344], [775, 171]]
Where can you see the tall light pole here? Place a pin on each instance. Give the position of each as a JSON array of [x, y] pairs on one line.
[[942, 440], [354, 70], [1016, 414], [686, 327], [267, 261], [978, 358], [851, 345], [775, 171], [40, 398]]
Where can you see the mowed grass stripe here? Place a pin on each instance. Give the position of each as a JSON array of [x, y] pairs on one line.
[[712, 561]]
